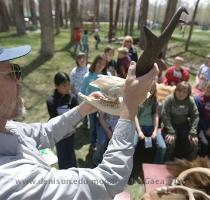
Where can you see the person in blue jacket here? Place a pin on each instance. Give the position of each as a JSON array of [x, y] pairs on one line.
[[99, 66]]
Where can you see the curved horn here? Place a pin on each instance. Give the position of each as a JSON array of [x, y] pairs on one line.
[[155, 44]]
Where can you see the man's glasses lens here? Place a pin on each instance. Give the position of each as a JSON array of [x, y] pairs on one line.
[[16, 71]]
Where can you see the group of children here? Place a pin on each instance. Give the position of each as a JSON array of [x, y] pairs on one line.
[[180, 127], [81, 40]]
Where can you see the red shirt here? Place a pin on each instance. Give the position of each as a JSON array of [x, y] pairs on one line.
[[77, 35], [173, 76]]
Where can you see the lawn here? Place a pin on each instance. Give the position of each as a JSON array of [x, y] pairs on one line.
[[38, 75]]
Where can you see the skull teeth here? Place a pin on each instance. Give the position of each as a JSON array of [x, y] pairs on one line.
[[109, 103]]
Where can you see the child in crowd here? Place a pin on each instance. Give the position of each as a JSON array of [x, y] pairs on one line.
[[199, 88], [180, 118], [58, 103], [203, 104], [111, 63], [132, 52], [161, 66], [78, 73], [123, 62], [99, 66], [85, 42], [176, 73], [77, 39], [105, 128], [204, 70], [97, 37], [147, 122]]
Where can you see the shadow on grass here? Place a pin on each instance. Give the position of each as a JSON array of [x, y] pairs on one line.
[[12, 35], [87, 162], [196, 54], [81, 139], [37, 62], [177, 54], [69, 48]]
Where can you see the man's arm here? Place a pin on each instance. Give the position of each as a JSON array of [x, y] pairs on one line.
[[47, 134], [111, 176], [102, 182]]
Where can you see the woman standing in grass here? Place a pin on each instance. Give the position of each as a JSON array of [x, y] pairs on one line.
[[99, 66], [132, 51]]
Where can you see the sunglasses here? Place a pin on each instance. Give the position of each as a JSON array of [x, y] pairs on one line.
[[15, 73]]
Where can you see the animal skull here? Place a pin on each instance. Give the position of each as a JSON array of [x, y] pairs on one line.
[[112, 88]]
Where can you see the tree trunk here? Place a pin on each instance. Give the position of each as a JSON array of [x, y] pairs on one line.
[[33, 12], [133, 14], [123, 6], [66, 14], [11, 14], [80, 16], [128, 17], [46, 23], [155, 10], [191, 26], [57, 16], [4, 20], [139, 18], [96, 12], [142, 21], [73, 18], [170, 10], [61, 15], [19, 16], [122, 23], [110, 19], [116, 16]]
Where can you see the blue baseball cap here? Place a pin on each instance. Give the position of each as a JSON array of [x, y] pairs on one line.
[[14, 52]]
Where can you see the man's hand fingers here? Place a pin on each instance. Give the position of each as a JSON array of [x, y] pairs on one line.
[[131, 69], [151, 74]]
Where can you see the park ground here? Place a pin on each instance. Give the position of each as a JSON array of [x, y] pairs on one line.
[[38, 73]]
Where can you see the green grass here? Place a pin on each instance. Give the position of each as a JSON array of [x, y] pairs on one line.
[[38, 75]]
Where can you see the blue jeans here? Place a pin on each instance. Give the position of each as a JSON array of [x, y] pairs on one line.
[[85, 48], [93, 132], [158, 142], [101, 146], [205, 143]]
